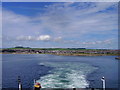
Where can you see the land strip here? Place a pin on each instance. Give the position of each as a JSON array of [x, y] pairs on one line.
[[61, 51]]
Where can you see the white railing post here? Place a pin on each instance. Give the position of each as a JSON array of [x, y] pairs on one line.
[[20, 86], [19, 83], [103, 83]]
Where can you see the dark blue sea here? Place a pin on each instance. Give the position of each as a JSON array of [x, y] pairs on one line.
[[59, 71]]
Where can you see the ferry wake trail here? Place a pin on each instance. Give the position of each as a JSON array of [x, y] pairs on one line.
[[66, 75]]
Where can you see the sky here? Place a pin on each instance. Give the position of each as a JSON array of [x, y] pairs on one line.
[[60, 24]]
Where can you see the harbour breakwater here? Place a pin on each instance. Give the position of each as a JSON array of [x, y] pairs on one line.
[[67, 52]]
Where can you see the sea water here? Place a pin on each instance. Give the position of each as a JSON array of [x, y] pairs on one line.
[[66, 75], [59, 71]]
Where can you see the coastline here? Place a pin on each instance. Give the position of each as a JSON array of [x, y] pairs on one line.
[[67, 54], [61, 51]]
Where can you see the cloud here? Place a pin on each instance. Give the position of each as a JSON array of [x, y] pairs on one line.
[[72, 23], [39, 38], [25, 38], [44, 37], [57, 39], [60, 40]]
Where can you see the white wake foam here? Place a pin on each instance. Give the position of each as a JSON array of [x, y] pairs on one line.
[[66, 75]]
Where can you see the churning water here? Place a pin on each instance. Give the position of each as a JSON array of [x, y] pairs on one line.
[[66, 75]]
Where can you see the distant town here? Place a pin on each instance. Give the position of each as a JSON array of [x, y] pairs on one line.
[[60, 51]]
